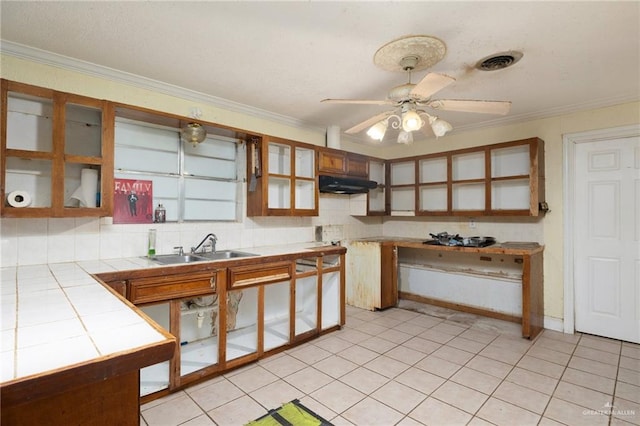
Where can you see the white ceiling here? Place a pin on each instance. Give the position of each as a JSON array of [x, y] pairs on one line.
[[284, 57]]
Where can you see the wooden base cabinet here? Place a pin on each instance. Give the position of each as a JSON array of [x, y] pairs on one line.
[[104, 402], [229, 316]]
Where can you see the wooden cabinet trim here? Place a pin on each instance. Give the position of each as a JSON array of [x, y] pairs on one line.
[[244, 276], [167, 287]]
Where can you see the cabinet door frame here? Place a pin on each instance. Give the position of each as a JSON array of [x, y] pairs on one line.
[[535, 182], [258, 199], [57, 156]]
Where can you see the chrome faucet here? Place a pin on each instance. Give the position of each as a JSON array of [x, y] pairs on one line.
[[209, 237]]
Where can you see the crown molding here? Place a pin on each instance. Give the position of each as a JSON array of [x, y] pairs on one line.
[[44, 57]]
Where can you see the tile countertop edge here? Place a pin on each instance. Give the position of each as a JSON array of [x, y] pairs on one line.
[[133, 357], [50, 383]]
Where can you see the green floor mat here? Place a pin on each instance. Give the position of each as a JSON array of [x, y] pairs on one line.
[[290, 414]]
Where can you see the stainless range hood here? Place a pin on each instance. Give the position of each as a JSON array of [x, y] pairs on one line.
[[344, 185]]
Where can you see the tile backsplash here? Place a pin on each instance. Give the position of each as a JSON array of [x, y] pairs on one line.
[[54, 240]]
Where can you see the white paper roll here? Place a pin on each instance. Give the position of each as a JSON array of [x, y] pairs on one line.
[[86, 192], [19, 199]]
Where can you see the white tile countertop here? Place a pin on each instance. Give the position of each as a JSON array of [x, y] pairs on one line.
[[57, 315]]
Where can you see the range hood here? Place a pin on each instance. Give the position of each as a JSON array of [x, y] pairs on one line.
[[344, 185]]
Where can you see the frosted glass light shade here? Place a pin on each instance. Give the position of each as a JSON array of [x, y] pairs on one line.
[[411, 121], [405, 137], [440, 127], [377, 131]]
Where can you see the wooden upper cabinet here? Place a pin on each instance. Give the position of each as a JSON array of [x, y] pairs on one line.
[[281, 176], [332, 162], [342, 163], [505, 179], [57, 153], [357, 166]]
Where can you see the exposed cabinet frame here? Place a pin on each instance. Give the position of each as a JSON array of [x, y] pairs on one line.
[[172, 285], [58, 157], [482, 192], [258, 196]]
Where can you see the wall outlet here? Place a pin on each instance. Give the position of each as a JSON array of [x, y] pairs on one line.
[[472, 223], [318, 233]]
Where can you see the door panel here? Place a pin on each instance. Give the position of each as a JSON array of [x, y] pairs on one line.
[[607, 238]]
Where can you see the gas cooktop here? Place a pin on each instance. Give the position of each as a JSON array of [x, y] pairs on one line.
[[446, 239]]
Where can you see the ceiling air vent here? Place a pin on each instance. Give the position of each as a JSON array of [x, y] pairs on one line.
[[499, 61]]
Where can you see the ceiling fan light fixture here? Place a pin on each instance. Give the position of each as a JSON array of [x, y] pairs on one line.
[[411, 121], [378, 130], [193, 133], [439, 126]]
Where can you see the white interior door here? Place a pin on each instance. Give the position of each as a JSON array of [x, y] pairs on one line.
[[606, 243]]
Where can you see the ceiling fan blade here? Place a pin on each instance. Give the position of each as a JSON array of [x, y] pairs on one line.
[[483, 107], [369, 122], [358, 101], [430, 84]]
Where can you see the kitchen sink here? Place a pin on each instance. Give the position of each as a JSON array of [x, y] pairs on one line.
[[170, 259], [224, 254]]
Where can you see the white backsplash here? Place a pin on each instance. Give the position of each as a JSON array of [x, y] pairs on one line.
[[53, 240]]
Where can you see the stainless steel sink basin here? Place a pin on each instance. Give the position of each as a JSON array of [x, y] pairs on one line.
[[224, 254], [170, 259]]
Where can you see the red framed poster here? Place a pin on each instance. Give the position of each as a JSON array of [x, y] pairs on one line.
[[133, 201]]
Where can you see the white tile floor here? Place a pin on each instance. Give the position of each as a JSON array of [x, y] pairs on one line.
[[432, 367]]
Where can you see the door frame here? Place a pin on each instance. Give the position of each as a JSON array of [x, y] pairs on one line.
[[570, 140]]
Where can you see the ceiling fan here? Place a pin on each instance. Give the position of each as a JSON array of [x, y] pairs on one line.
[[407, 54]]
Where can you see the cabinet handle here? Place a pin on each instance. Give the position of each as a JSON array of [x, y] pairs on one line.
[[212, 282]]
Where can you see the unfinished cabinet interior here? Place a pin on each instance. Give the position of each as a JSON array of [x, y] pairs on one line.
[[402, 187], [503, 281], [186, 305], [285, 184], [374, 202], [57, 152], [227, 317], [502, 179]]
